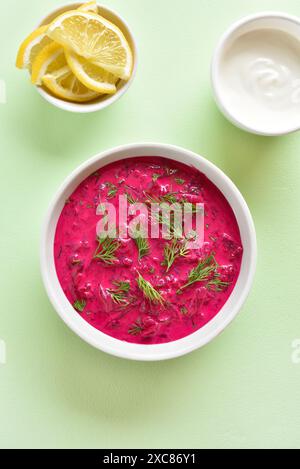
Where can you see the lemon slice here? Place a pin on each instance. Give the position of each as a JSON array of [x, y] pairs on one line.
[[51, 69], [32, 45], [35, 42], [95, 39], [63, 84], [49, 59], [92, 76], [52, 57], [89, 6]]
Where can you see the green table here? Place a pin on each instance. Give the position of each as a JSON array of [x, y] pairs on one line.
[[242, 390]]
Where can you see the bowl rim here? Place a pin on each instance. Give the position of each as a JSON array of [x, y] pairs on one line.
[[84, 108], [215, 79], [110, 344]]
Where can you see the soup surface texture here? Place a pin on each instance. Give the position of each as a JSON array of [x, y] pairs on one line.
[[145, 290]]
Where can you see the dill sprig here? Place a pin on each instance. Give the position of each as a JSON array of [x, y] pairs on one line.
[[173, 250], [160, 217], [141, 241], [183, 206], [216, 284], [206, 271], [119, 295], [112, 190], [106, 249], [143, 246], [149, 291], [180, 181], [130, 198], [136, 328], [184, 310], [79, 305], [155, 176], [190, 207], [169, 198]]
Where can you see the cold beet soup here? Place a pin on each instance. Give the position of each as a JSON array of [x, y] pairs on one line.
[[147, 290]]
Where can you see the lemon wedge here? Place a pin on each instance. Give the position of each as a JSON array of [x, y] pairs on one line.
[[35, 42], [49, 59], [32, 45], [92, 76], [51, 69], [63, 84], [94, 38]]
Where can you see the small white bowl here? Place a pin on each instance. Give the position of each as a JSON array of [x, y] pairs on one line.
[[122, 86], [264, 20], [171, 349]]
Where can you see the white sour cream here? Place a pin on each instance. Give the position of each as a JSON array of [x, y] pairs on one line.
[[260, 79]]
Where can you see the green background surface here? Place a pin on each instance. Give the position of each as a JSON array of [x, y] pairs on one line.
[[242, 390]]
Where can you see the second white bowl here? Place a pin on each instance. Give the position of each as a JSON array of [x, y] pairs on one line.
[[260, 21]]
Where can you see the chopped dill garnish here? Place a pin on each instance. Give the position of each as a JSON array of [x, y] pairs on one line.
[[206, 271], [190, 207], [155, 176], [119, 294], [79, 305], [142, 242], [143, 246], [203, 272], [173, 230], [149, 291], [180, 181], [176, 206], [216, 284], [183, 310], [173, 250], [153, 199], [136, 328], [123, 285], [112, 190], [169, 198], [130, 198], [106, 249]]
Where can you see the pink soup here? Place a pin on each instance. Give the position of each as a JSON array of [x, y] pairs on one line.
[[157, 291]]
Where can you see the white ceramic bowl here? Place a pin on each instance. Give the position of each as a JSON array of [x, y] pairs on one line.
[[122, 86], [264, 20], [167, 350]]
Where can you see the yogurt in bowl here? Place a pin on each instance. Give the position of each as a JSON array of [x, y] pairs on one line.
[[132, 300], [256, 73]]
